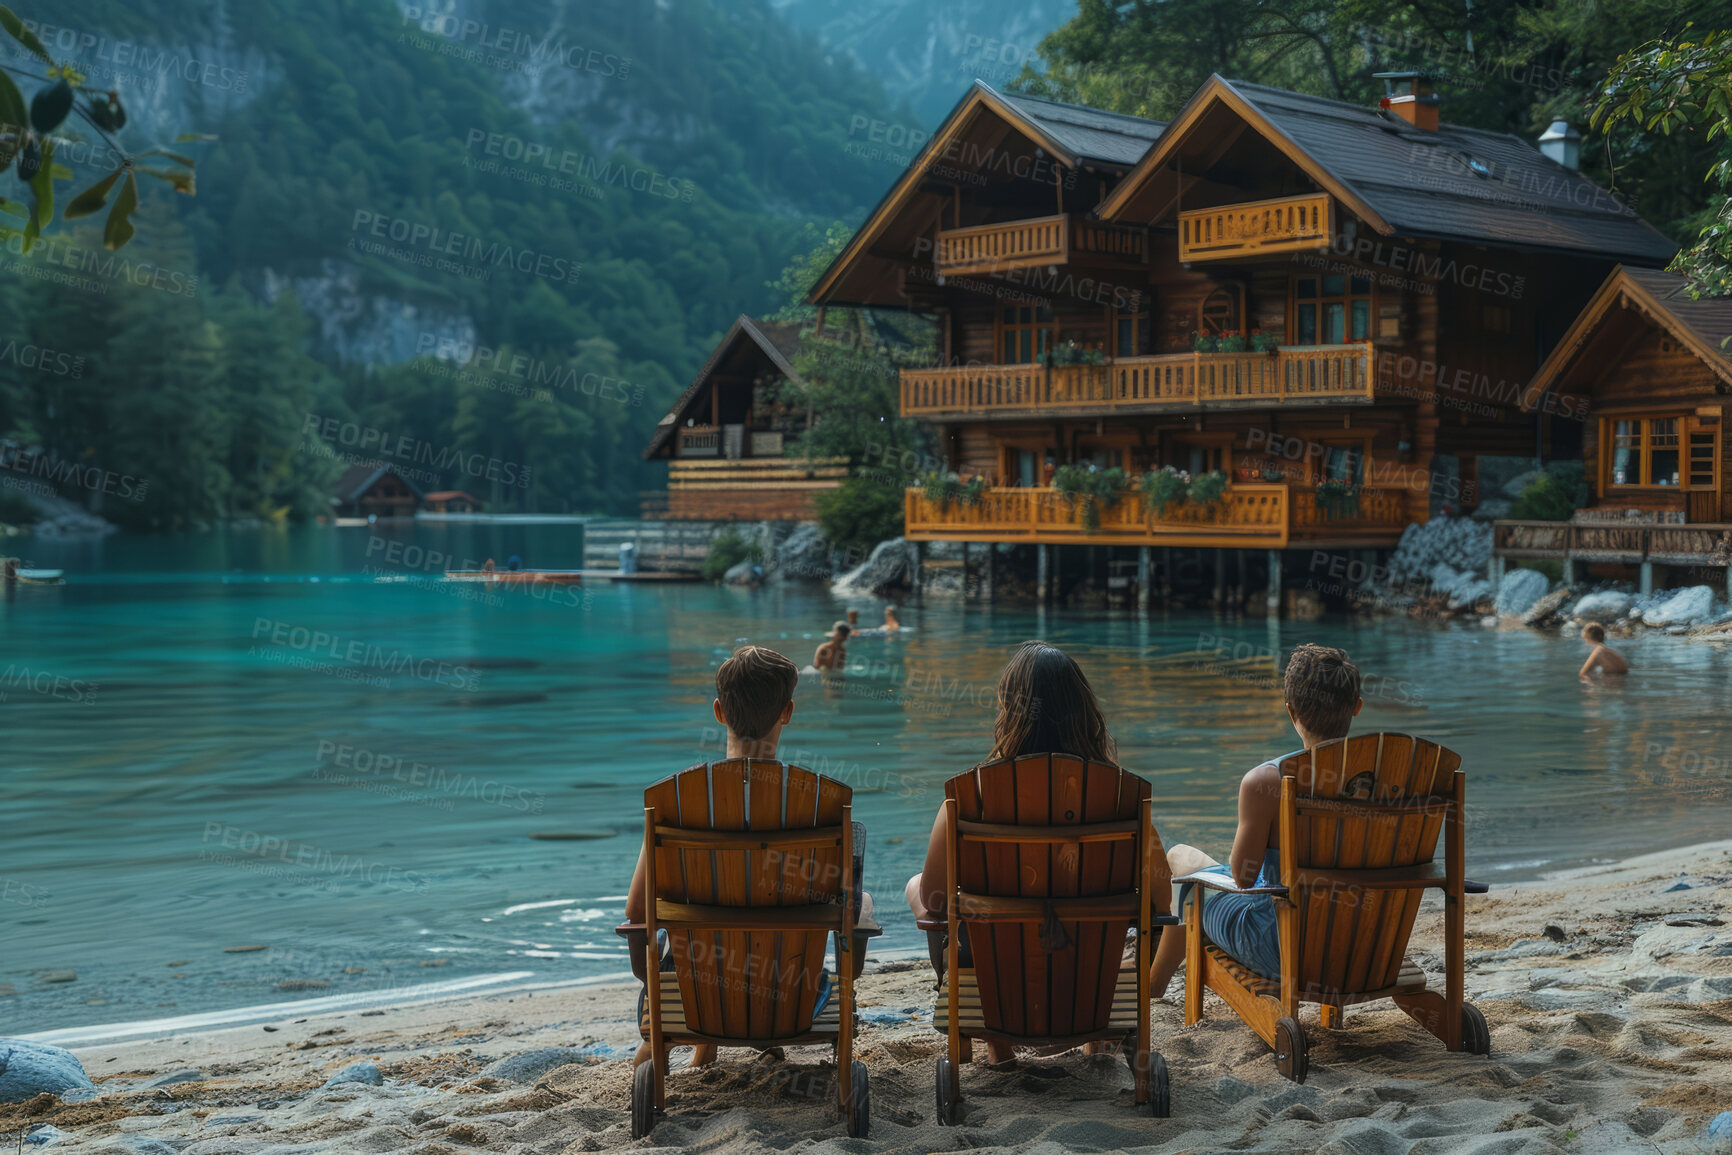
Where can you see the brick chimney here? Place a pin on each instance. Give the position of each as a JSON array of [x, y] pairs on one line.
[[1411, 97]]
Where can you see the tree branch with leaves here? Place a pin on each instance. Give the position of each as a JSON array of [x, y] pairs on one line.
[[28, 140]]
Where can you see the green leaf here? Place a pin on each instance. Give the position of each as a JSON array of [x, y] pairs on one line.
[[119, 228], [15, 28], [12, 114], [42, 184], [178, 158], [182, 181], [13, 208], [91, 200]]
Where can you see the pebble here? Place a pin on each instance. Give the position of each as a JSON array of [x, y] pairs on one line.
[[60, 976], [243, 949], [1554, 932], [45, 1134], [1677, 886], [531, 1065], [302, 985], [1720, 1132]]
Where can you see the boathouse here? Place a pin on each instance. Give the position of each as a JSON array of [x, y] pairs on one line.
[[726, 438]]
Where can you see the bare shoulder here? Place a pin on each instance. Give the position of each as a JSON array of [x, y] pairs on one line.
[[1261, 781]]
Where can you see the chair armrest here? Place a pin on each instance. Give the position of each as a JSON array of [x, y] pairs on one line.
[[1166, 920], [636, 937], [933, 922], [1472, 887], [867, 928], [1217, 882]]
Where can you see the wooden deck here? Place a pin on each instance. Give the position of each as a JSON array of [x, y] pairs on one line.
[[750, 488], [1249, 516], [1174, 382], [1699, 543], [1255, 228]]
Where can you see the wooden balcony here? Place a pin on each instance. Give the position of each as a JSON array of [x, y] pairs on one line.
[[1255, 229], [751, 488], [1248, 516], [1698, 543], [1038, 242], [1177, 381]]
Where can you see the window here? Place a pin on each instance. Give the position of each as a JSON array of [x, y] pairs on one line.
[[1222, 310], [1331, 310], [1025, 333], [1645, 451], [1343, 463], [1131, 332]]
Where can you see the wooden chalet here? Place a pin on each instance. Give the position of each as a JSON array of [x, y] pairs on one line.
[[1646, 373], [374, 490], [725, 439], [1291, 290], [452, 501]]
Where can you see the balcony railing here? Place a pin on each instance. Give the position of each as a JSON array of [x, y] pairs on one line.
[[1256, 228], [1248, 516], [1035, 242], [1699, 543], [1177, 380]]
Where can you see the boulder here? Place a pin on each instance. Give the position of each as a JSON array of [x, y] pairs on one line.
[[888, 567], [1492, 508], [1546, 606], [804, 555], [1603, 606], [28, 1069], [1681, 608], [743, 573], [1462, 588], [1519, 590], [362, 1072]]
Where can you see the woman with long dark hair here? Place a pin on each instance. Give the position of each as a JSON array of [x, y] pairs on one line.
[[1045, 706]]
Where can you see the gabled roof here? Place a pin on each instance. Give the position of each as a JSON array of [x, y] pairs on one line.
[[1075, 135], [777, 342], [1701, 326], [1453, 183], [358, 479]]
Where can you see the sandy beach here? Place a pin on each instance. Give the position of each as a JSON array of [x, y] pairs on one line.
[[1608, 992]]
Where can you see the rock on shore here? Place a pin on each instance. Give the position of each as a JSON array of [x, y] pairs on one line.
[[29, 1069]]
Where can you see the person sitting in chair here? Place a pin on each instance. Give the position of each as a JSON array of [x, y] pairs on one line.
[[1045, 706], [754, 700], [1322, 691]]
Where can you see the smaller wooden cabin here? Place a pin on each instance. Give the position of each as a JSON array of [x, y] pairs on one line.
[[725, 439], [1646, 371], [374, 490]]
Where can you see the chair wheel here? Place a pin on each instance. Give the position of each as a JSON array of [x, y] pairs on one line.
[[860, 1110], [1160, 1091], [643, 1099], [1475, 1035], [946, 1094], [1290, 1058]]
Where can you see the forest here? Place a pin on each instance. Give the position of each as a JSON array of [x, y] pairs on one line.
[[519, 245]]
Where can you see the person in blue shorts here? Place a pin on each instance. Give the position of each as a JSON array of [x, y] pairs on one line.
[[1322, 692]]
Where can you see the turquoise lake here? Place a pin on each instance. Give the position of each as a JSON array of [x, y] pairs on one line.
[[303, 740]]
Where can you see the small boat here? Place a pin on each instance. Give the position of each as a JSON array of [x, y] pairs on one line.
[[41, 577], [528, 576]]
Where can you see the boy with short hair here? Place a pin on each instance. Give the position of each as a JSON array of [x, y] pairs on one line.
[[1603, 658], [754, 700], [1321, 687], [833, 653]]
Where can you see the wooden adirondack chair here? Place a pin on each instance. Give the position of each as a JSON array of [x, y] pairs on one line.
[[1052, 860], [750, 865], [1359, 822]]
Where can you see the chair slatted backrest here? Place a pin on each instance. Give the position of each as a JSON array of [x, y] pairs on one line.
[[748, 984], [1367, 802], [1025, 988]]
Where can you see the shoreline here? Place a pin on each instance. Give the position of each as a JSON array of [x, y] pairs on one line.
[[1608, 989]]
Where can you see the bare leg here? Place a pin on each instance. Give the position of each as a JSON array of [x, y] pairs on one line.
[[1182, 860]]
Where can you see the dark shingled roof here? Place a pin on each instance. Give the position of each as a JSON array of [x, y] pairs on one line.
[[1709, 318], [779, 343], [1109, 138], [358, 478], [1429, 183]]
